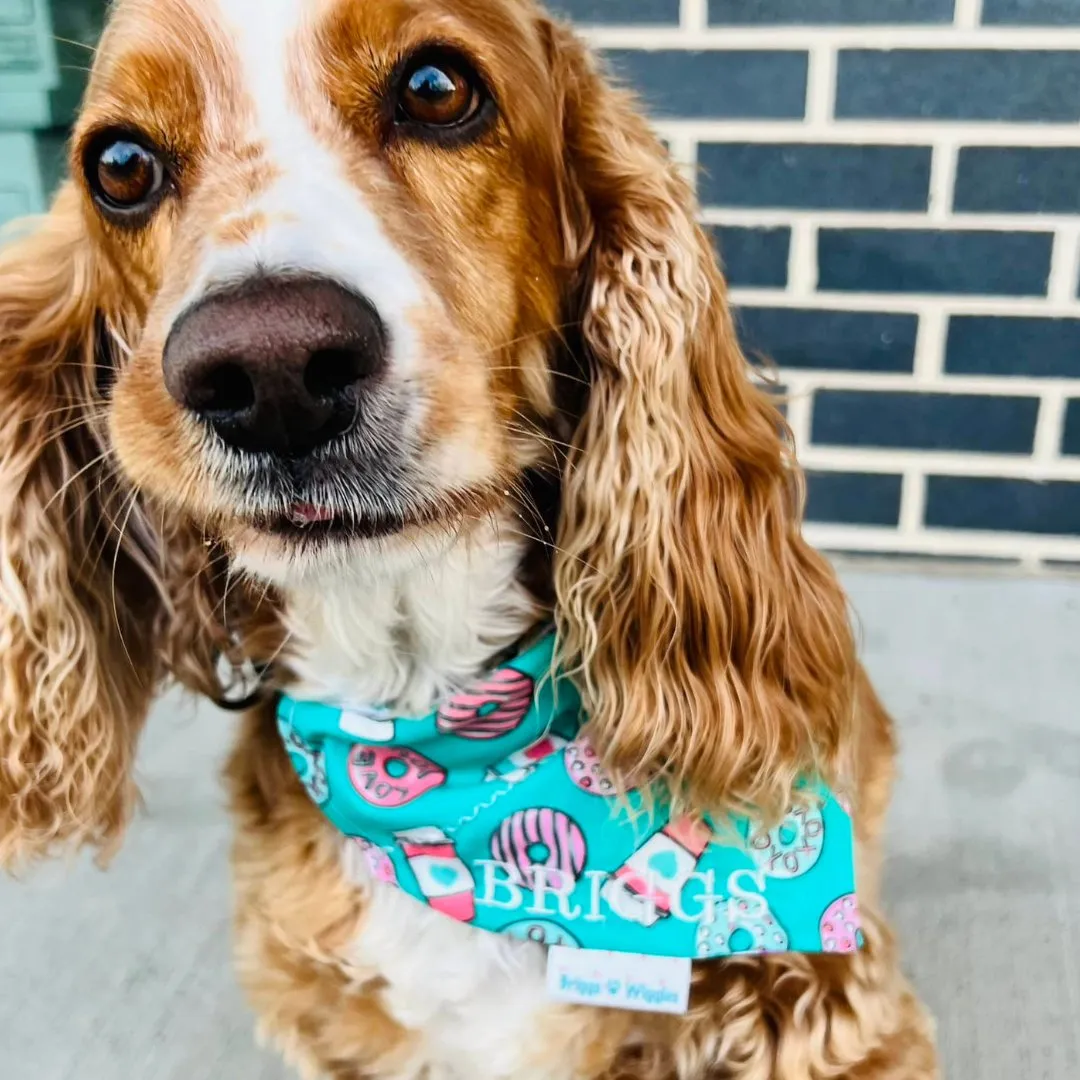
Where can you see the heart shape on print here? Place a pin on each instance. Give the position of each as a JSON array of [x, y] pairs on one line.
[[444, 875], [664, 863]]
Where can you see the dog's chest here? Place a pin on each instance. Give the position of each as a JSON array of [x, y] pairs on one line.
[[475, 1001]]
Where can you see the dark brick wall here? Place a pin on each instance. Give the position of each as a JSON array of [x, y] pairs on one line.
[[958, 84], [830, 340], [754, 257], [714, 84], [828, 12], [814, 176]]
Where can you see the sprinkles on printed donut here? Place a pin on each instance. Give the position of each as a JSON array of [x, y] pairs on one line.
[[585, 770]]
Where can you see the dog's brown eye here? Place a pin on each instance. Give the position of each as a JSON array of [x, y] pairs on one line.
[[124, 175], [439, 91]]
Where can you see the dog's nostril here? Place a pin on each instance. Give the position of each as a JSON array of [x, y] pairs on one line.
[[331, 372], [225, 388]]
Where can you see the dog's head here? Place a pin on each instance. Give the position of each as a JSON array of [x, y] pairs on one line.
[[331, 279]]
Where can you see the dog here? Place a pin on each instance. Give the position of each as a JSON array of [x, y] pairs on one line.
[[367, 337]]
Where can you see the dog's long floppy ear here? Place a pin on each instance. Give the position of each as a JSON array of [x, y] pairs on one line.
[[712, 644], [78, 604]]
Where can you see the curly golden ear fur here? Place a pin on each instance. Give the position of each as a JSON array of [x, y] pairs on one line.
[[712, 644], [77, 663]]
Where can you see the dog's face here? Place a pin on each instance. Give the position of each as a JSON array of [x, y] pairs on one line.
[[337, 223]]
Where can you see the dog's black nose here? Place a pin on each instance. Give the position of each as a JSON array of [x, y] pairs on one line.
[[276, 365]]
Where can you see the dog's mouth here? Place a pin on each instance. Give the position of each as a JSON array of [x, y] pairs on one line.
[[307, 522]]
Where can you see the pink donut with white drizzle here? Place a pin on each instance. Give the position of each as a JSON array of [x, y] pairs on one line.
[[841, 925], [540, 844], [489, 709]]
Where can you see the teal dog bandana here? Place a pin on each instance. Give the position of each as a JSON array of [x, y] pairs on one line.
[[496, 811]]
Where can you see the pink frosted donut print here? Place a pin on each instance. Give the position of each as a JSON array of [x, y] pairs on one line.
[[584, 768], [540, 837], [490, 708], [390, 776], [841, 926]]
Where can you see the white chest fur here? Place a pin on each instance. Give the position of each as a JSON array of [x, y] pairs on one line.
[[405, 634], [475, 1000]]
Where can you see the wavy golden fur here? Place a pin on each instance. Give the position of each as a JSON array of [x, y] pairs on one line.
[[99, 600], [711, 644]]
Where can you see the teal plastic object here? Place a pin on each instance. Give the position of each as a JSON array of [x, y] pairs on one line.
[[21, 189], [29, 70]]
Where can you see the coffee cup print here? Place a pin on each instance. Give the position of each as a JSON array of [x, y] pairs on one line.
[[444, 880]]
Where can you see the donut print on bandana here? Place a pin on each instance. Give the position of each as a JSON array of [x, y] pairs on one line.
[[543, 932], [740, 928], [390, 776], [841, 926], [793, 847], [309, 763], [376, 862], [540, 838], [584, 768], [490, 709]]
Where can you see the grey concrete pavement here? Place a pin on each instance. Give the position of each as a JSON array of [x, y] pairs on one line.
[[125, 975]]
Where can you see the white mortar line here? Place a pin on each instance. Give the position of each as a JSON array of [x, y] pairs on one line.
[[802, 261], [821, 87], [930, 345], [1063, 264], [942, 542], [996, 385], [1049, 428], [799, 409], [968, 13], [683, 151], [912, 502], [887, 132], [800, 38], [693, 16], [890, 219], [942, 180], [936, 462], [908, 303]]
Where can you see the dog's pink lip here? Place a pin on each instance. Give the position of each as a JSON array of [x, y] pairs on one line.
[[305, 523], [309, 514]]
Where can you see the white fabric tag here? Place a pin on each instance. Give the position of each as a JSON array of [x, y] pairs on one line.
[[617, 980]]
